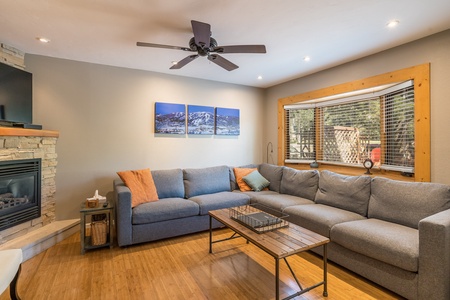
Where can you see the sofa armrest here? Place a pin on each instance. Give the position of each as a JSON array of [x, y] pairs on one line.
[[123, 213], [434, 256]]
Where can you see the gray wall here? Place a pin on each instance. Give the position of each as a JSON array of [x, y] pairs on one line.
[[433, 49], [105, 116]]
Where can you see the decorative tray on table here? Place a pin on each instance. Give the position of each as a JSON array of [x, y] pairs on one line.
[[258, 217]]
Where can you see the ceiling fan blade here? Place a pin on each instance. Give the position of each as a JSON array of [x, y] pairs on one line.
[[202, 33], [184, 62], [240, 49], [224, 63], [142, 44]]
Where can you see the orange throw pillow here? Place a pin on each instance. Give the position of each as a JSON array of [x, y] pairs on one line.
[[239, 173], [141, 185]]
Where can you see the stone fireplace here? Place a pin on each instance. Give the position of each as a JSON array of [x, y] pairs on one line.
[[18, 144]]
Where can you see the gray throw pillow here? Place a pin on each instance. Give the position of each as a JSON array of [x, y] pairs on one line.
[[351, 193], [256, 181]]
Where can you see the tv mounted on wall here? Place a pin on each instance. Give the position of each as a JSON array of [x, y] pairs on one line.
[[16, 97]]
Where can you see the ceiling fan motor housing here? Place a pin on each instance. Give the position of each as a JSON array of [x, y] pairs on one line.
[[202, 51]]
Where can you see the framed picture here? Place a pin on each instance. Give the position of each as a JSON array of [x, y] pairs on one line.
[[227, 121], [200, 119], [170, 118]]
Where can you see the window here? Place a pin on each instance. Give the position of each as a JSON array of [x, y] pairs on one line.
[[346, 129], [301, 135]]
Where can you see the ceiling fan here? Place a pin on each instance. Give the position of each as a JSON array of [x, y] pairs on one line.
[[205, 45]]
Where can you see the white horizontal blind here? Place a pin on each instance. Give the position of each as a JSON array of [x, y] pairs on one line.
[[378, 125], [349, 131], [398, 130], [300, 141]]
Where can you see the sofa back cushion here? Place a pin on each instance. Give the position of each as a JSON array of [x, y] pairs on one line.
[[169, 183], [273, 174], [351, 193], [206, 181], [301, 183], [406, 203]]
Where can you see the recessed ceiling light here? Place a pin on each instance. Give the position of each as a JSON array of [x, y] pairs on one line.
[[306, 58], [393, 23], [259, 77], [43, 40]]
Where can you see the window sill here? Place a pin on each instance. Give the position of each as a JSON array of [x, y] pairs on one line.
[[352, 171]]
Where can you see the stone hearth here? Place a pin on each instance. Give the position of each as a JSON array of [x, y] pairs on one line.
[[18, 143]]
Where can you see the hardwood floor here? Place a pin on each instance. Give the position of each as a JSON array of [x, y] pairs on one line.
[[180, 268]]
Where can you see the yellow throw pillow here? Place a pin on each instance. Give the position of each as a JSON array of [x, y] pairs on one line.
[[141, 185], [239, 173]]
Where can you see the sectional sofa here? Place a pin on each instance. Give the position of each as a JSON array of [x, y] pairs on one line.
[[394, 233]]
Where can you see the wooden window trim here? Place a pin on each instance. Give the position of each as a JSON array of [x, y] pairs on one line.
[[421, 76]]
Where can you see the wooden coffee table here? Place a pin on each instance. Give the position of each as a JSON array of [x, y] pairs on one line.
[[279, 243]]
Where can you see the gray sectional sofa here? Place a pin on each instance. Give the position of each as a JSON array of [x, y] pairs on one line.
[[394, 233]]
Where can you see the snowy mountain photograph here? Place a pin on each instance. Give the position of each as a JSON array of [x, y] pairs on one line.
[[170, 118], [227, 121], [200, 119]]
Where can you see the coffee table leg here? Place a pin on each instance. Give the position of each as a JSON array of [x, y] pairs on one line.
[[277, 279], [210, 234], [325, 290]]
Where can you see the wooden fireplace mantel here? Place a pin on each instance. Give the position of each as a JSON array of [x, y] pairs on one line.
[[10, 131]]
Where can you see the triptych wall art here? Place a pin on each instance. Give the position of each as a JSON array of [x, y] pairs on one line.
[[206, 120]]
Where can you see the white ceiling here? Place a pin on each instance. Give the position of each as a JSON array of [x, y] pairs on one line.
[[331, 32]]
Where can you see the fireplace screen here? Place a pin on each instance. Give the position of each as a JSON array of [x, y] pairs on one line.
[[20, 191]]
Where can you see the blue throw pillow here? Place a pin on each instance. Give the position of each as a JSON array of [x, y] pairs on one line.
[[256, 181]]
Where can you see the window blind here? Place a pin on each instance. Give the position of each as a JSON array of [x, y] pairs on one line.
[[301, 142], [398, 130], [347, 130]]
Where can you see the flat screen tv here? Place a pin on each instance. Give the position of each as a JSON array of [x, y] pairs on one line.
[[16, 96]]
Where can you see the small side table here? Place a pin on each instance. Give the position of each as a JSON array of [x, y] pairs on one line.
[[86, 241]]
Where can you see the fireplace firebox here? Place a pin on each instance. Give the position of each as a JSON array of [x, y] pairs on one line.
[[20, 191]]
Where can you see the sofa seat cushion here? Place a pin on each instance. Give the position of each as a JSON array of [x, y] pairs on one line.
[[278, 201], [163, 210], [253, 194], [219, 201], [319, 218], [388, 242]]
